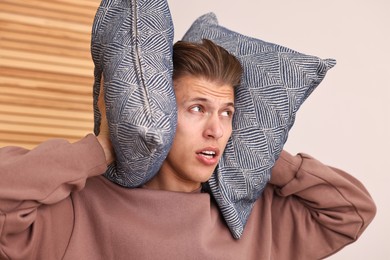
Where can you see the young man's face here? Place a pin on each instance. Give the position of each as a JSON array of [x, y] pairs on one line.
[[205, 112]]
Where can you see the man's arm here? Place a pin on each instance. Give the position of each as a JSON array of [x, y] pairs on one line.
[[49, 172], [44, 175], [317, 209]]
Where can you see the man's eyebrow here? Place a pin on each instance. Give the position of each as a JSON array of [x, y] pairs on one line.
[[199, 99], [230, 104], [202, 99]]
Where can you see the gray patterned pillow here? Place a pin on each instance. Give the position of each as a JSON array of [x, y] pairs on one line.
[[275, 83], [132, 48]]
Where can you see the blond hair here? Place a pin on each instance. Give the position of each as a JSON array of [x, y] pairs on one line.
[[206, 60]]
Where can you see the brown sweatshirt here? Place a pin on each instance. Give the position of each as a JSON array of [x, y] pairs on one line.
[[55, 205]]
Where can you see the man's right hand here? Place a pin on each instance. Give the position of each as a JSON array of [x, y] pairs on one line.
[[104, 134]]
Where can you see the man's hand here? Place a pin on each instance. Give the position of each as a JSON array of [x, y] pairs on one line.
[[104, 134]]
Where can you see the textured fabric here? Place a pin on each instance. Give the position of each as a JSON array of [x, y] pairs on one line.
[[132, 48], [53, 206], [276, 82]]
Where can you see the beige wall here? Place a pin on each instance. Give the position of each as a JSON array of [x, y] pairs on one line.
[[45, 70]]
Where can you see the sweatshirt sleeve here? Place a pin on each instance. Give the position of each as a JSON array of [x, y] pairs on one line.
[[317, 209], [46, 174]]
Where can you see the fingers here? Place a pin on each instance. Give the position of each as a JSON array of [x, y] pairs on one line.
[[104, 133], [101, 101]]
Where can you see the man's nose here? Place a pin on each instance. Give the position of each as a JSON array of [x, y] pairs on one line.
[[214, 127]]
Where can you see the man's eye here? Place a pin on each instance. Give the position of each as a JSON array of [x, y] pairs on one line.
[[227, 113], [196, 109]]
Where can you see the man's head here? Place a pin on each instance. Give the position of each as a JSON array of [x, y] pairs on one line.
[[204, 78]]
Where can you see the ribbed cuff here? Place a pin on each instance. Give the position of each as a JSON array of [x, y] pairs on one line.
[[285, 169]]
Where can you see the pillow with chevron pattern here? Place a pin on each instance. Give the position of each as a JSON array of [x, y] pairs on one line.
[[131, 48], [276, 81]]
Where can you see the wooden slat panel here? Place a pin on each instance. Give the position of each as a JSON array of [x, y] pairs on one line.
[[50, 23], [43, 67], [47, 76], [47, 84], [44, 94], [33, 47], [44, 40], [39, 121], [44, 103], [25, 28], [39, 12], [47, 59], [46, 70], [80, 4], [44, 113], [80, 7]]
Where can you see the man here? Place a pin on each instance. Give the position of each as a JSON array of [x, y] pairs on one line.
[[54, 203]]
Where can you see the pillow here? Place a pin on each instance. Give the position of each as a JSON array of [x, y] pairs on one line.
[[276, 81], [132, 48]]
